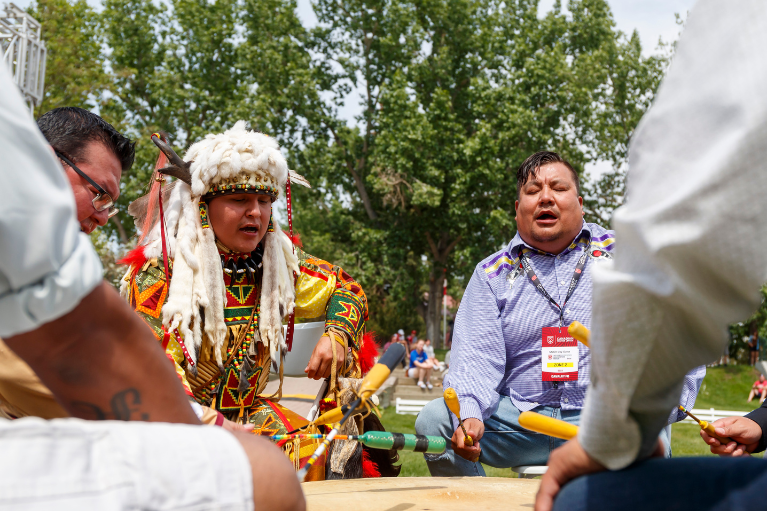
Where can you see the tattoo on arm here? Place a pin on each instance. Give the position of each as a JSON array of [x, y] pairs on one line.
[[124, 406]]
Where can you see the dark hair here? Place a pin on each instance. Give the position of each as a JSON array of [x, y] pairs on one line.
[[530, 166], [69, 129]]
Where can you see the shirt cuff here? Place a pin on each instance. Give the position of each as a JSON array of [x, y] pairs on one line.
[[760, 417], [612, 441], [470, 409], [54, 295]]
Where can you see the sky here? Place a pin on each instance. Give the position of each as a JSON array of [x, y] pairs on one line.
[[653, 19]]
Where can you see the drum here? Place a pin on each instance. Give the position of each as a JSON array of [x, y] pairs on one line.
[[421, 493], [305, 338]]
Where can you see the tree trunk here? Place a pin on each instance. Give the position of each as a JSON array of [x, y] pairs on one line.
[[434, 312], [120, 229], [440, 252]]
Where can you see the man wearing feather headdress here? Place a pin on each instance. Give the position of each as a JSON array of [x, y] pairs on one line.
[[217, 302]]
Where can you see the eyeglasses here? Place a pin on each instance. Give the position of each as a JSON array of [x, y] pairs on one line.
[[102, 200]]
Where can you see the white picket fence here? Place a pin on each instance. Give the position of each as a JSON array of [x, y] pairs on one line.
[[711, 415], [410, 406], [414, 406]]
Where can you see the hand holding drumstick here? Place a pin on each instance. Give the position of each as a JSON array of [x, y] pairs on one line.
[[465, 440], [743, 435]]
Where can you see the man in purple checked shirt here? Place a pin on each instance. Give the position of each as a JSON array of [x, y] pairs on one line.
[[507, 347]]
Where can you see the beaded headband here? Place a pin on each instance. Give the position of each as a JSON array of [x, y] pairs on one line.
[[228, 189]]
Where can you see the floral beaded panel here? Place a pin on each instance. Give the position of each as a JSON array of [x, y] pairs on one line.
[[326, 291], [242, 296], [322, 291]]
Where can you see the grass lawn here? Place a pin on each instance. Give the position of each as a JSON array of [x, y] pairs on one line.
[[724, 388]]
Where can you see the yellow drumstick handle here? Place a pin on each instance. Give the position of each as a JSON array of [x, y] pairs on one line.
[[547, 425], [579, 332], [708, 428], [711, 430], [374, 379], [451, 399], [331, 417]]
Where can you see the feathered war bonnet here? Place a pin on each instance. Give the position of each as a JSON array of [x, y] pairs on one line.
[[236, 161]]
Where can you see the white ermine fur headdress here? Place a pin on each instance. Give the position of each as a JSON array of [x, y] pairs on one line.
[[236, 160]]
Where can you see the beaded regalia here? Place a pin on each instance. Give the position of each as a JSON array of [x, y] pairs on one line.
[[219, 314]]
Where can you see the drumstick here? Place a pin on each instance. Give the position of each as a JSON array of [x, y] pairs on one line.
[[382, 440], [547, 425], [451, 399], [579, 332], [707, 427], [375, 377]]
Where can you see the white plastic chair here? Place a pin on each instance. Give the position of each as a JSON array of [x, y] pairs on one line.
[[529, 471]]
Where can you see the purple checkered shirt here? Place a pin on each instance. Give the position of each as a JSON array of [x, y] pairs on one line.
[[497, 337]]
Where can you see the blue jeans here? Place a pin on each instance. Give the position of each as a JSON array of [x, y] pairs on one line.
[[505, 443], [699, 484]]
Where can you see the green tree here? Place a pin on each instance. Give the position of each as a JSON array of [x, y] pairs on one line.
[[76, 75], [192, 67], [454, 96], [74, 72]]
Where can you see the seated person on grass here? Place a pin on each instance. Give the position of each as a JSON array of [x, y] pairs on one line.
[[420, 366], [431, 357], [759, 387]]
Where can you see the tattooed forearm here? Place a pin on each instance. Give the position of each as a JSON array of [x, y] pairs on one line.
[[124, 406]]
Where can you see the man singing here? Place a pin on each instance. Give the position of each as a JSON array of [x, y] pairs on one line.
[[511, 352]]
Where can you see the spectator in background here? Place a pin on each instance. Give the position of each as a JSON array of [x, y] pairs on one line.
[[401, 340], [412, 339], [391, 341], [429, 350], [759, 387], [420, 367]]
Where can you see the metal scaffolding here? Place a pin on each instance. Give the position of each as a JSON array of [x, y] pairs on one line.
[[23, 52]]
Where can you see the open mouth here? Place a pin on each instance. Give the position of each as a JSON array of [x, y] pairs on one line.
[[546, 217], [249, 229]]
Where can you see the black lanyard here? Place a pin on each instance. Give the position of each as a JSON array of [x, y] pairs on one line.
[[577, 274]]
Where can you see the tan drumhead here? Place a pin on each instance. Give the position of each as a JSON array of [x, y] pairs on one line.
[[421, 493]]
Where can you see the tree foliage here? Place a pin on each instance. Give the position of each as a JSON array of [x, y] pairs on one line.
[[74, 73], [453, 96]]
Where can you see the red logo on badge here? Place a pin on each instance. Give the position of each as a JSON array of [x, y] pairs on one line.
[[550, 339]]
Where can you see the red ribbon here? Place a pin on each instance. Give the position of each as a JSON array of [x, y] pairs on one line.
[[292, 317], [166, 334]]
